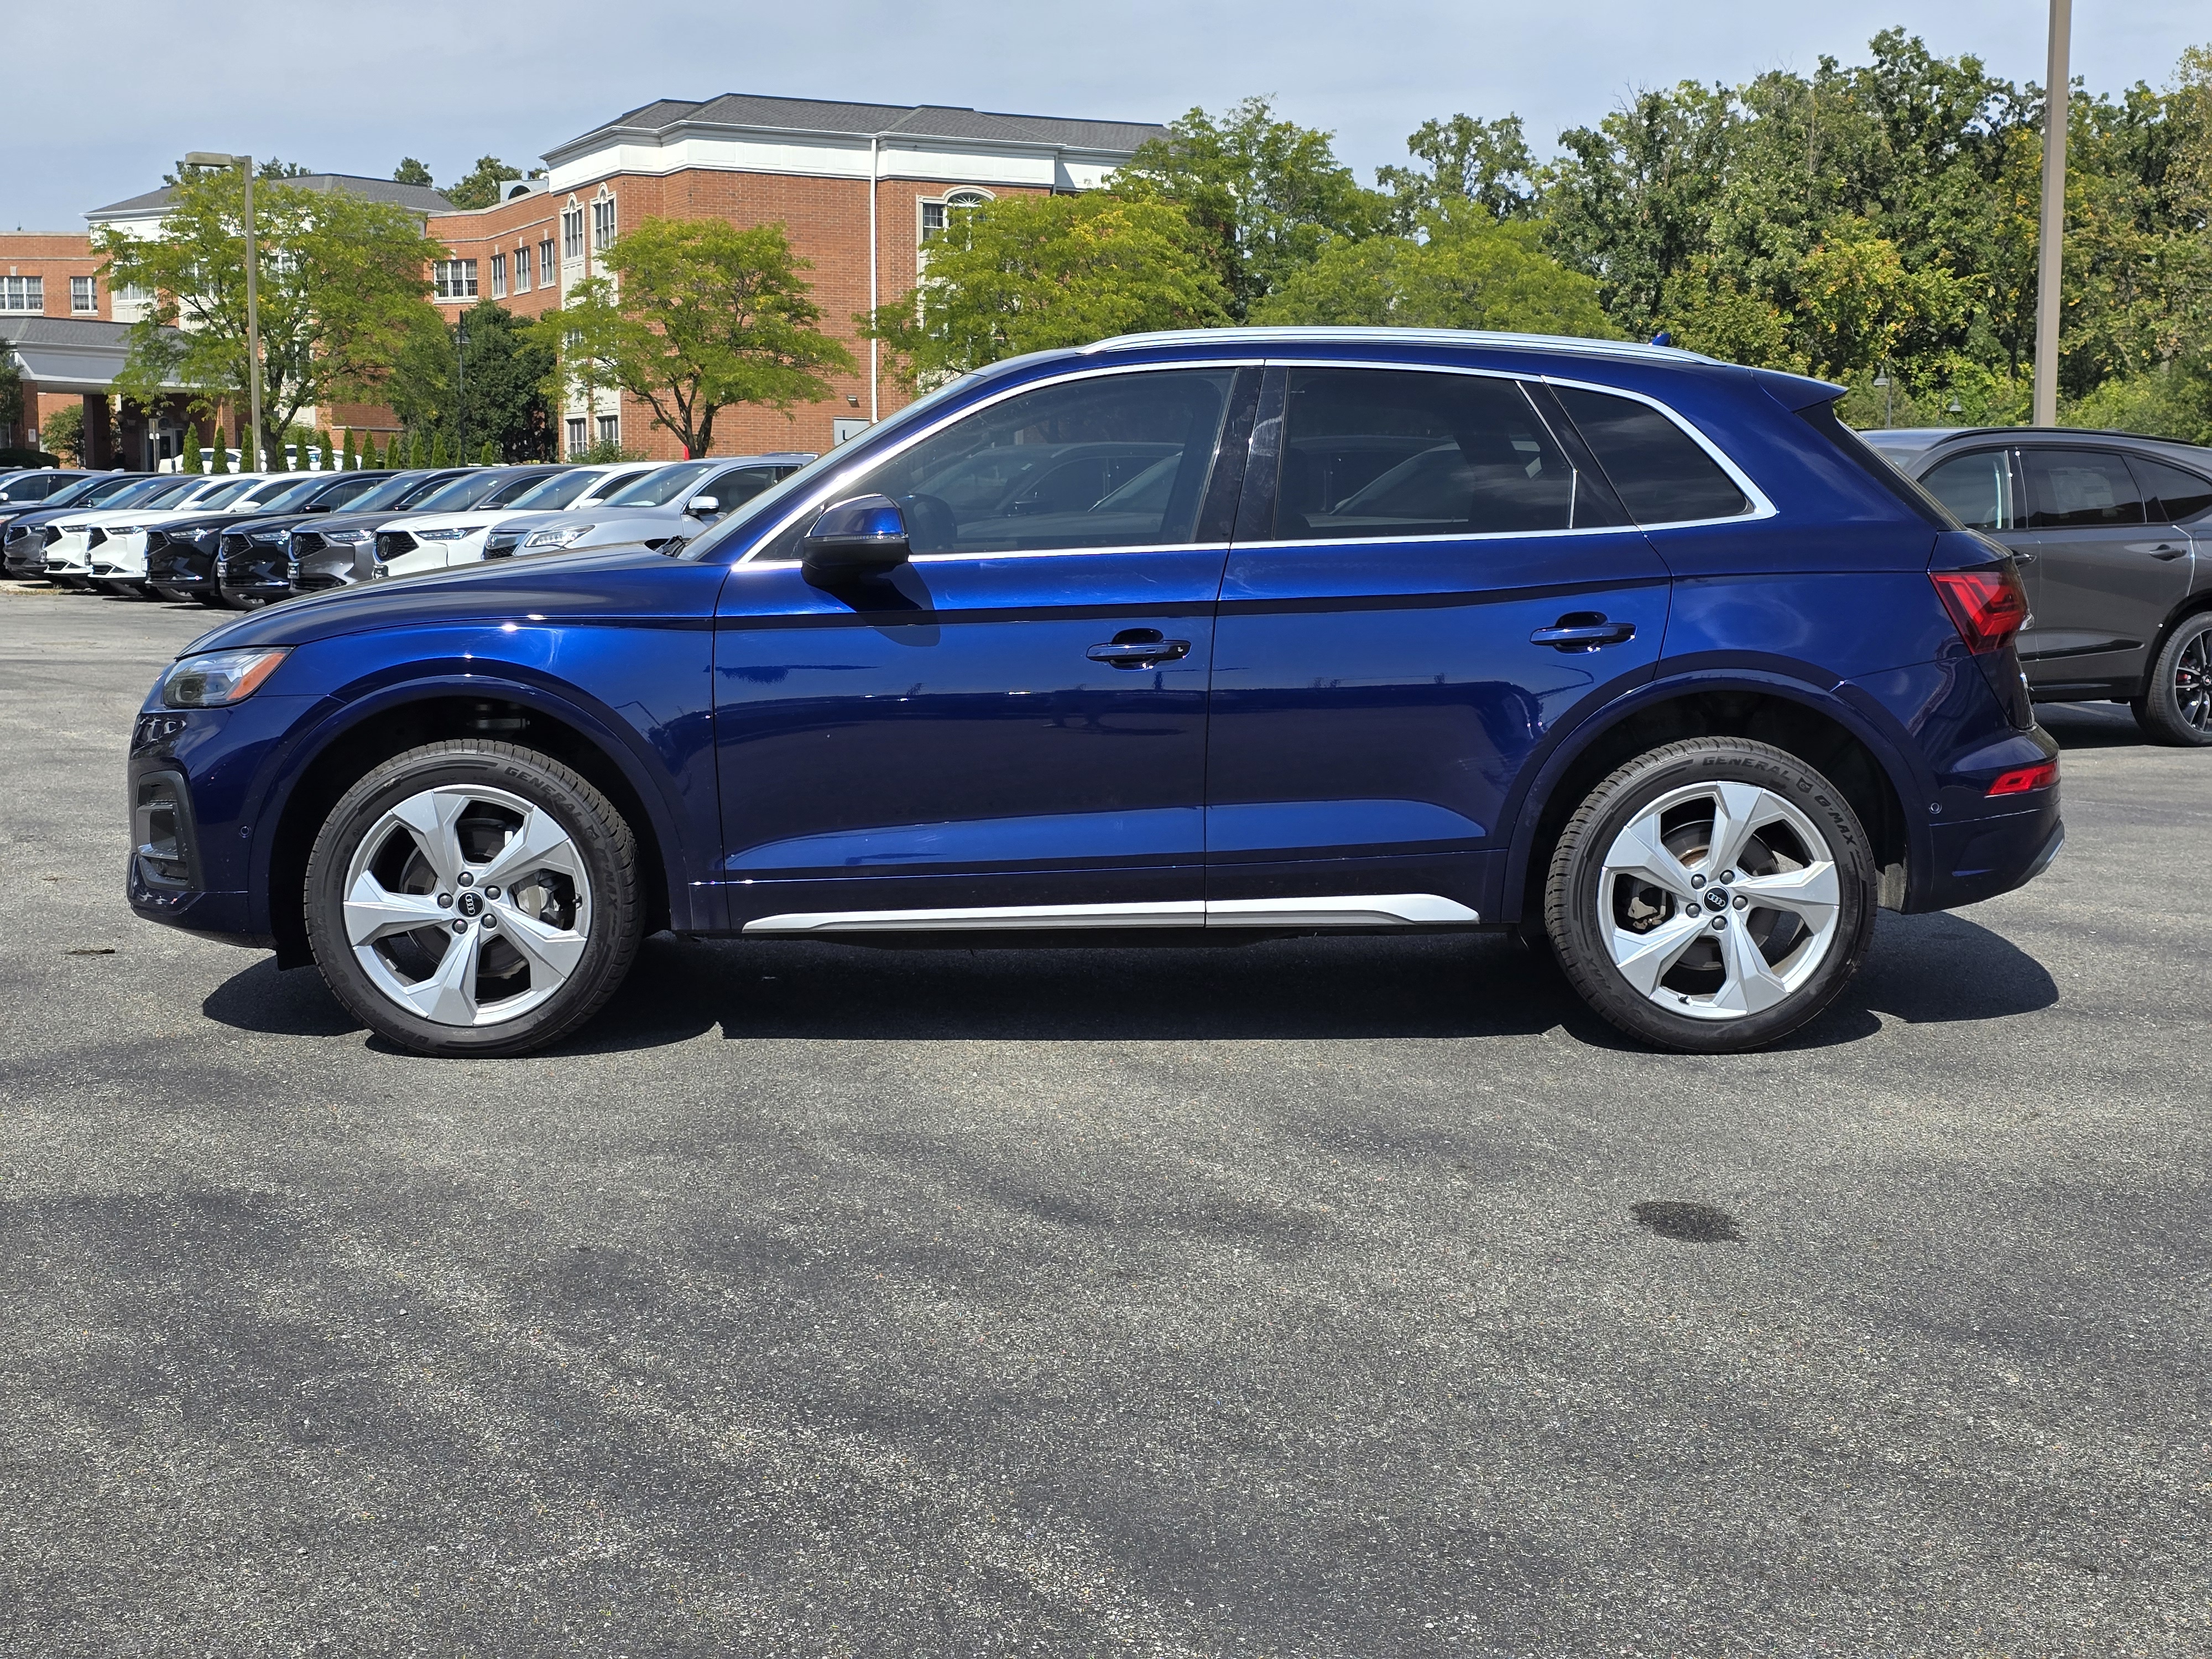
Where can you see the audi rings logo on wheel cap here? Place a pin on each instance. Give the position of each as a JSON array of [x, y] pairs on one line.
[[470, 904]]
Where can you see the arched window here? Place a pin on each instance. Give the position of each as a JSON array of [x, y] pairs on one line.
[[937, 212], [572, 231]]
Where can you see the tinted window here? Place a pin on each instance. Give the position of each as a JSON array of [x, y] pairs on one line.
[[282, 495], [2072, 489], [32, 487], [738, 485], [2180, 496], [84, 492], [1661, 473], [558, 491], [419, 490], [1369, 452], [513, 489], [660, 488], [972, 488], [459, 494], [1978, 488], [345, 493]]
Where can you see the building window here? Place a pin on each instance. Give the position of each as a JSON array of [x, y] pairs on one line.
[[23, 294], [84, 298], [936, 215], [455, 279], [572, 232], [610, 430], [499, 276], [545, 262], [576, 444], [522, 269], [603, 224]]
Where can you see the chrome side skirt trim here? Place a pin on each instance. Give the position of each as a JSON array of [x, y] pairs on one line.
[[1359, 910]]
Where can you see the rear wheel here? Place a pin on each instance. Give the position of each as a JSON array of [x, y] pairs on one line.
[[1711, 895], [474, 898], [2176, 706]]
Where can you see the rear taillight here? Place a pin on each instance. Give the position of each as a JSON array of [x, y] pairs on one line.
[[2021, 780], [1988, 605]]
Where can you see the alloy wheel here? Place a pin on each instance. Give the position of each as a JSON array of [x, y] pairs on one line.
[[467, 906], [1719, 900]]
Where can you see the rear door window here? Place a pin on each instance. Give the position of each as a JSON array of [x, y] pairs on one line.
[[1371, 453], [1978, 488], [1663, 475], [2080, 488], [2170, 494]]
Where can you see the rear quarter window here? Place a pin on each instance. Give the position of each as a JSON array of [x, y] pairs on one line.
[[1661, 473]]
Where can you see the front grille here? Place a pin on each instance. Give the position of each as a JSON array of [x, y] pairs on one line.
[[95, 537], [54, 535], [305, 541], [501, 545], [234, 544], [391, 543]]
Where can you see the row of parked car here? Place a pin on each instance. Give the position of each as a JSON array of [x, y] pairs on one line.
[[247, 540]]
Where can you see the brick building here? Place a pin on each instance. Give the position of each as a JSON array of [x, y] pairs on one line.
[[858, 188]]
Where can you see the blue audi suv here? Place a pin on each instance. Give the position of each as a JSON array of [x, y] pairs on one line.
[[1643, 655]]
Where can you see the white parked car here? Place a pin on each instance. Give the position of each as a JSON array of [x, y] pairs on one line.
[[110, 535], [671, 504], [432, 541]]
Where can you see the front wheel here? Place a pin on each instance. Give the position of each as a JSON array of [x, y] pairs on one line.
[[1711, 895], [474, 898], [2176, 705]]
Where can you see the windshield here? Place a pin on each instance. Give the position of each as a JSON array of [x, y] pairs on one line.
[[513, 489], [558, 491], [171, 488], [276, 495], [658, 489], [86, 491], [462, 493], [223, 495], [390, 492], [776, 498]]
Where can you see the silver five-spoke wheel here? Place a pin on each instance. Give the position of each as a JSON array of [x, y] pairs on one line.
[[1720, 899], [467, 905]]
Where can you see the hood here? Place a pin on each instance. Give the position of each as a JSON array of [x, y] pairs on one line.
[[603, 585]]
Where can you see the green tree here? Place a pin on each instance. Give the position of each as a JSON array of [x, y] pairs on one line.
[[341, 281], [694, 317], [480, 188], [191, 461], [349, 457], [1026, 273], [221, 451], [489, 455], [1468, 160], [1472, 271], [328, 456], [411, 171], [508, 368], [62, 435], [1265, 195]]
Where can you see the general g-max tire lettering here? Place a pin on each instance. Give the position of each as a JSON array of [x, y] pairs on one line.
[[473, 898], [1711, 895]]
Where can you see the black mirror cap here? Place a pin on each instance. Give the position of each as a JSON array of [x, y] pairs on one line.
[[862, 536]]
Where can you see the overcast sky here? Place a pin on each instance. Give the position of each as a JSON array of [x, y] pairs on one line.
[[107, 97]]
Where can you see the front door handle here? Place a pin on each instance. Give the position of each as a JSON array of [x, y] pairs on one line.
[[2167, 551], [1582, 632], [1138, 648]]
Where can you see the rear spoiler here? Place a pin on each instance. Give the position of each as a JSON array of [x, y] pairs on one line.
[[1797, 391]]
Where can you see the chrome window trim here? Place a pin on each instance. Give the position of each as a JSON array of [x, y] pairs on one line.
[[817, 499]]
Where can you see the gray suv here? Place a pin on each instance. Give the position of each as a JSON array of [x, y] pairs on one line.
[[2113, 535]]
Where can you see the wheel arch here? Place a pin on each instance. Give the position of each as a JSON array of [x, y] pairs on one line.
[[373, 729], [1820, 729]]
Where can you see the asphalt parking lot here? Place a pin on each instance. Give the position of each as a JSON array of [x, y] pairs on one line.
[[1293, 1299]]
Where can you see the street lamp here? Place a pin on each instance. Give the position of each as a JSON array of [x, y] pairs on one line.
[[461, 391], [206, 158], [2050, 263]]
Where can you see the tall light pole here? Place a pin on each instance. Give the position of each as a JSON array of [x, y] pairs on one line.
[[2050, 263], [203, 158]]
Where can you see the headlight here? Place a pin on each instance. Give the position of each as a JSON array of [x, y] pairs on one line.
[[560, 538], [439, 535], [217, 678], [126, 529], [267, 536], [343, 537]]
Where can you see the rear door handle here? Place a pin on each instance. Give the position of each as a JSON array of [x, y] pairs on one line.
[[1138, 648], [1582, 634]]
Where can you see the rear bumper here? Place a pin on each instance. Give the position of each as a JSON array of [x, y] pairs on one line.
[[1983, 858]]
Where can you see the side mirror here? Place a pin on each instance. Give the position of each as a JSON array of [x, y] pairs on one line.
[[864, 537], [704, 506]]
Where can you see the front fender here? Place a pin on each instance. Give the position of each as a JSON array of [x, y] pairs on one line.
[[653, 722]]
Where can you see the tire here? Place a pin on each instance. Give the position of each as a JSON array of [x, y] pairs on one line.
[[2176, 705], [1629, 907], [497, 851]]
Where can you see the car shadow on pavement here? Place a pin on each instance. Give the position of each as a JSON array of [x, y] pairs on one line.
[[2092, 725], [1923, 971]]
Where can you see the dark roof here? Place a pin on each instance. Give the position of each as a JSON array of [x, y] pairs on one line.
[[421, 198], [62, 332], [739, 109]]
